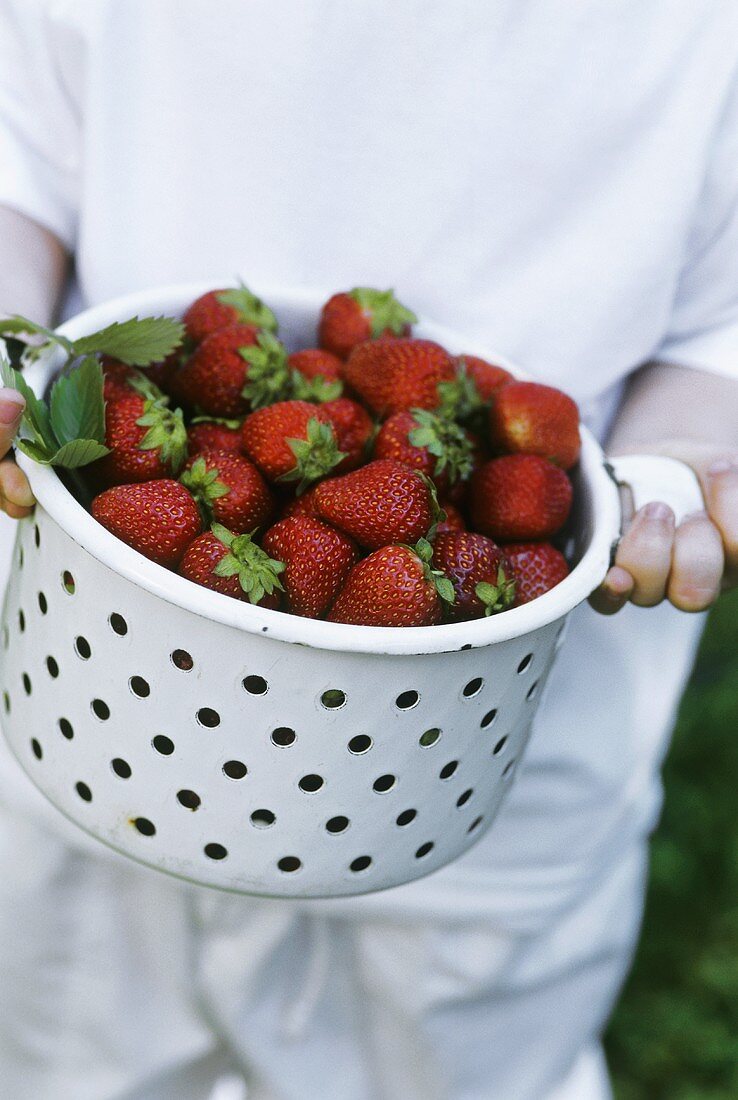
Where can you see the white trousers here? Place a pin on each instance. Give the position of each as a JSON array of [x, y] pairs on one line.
[[489, 980]]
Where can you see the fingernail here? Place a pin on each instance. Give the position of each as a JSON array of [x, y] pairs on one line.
[[11, 406], [720, 467], [657, 510]]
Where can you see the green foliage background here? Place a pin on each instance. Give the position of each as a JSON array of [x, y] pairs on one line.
[[675, 1032]]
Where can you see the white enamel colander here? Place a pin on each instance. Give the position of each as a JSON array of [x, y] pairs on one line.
[[255, 751]]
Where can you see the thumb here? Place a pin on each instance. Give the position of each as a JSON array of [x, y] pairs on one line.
[[11, 410]]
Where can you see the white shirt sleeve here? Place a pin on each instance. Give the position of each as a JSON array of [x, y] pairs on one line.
[[703, 331], [39, 134]]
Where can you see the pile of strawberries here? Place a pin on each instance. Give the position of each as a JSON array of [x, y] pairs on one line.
[[375, 480]]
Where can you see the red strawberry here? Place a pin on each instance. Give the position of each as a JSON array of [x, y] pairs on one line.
[[439, 447], [383, 502], [479, 572], [291, 441], [473, 388], [350, 318], [536, 567], [391, 375], [234, 369], [528, 418], [159, 518], [146, 439], [163, 373], [316, 363], [487, 377], [116, 379], [394, 586], [520, 497], [219, 309], [235, 566], [304, 505], [317, 560], [454, 520], [353, 428], [214, 435], [228, 489]]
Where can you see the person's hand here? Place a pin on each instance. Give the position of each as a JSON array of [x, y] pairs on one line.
[[16, 498], [688, 564]]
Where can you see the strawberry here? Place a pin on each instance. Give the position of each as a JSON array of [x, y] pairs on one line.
[[383, 502], [394, 586], [390, 375], [473, 388], [214, 435], [220, 309], [317, 559], [479, 572], [291, 441], [536, 567], [234, 566], [439, 447], [304, 505], [528, 418], [520, 497], [350, 318], [213, 378], [228, 489], [146, 439], [316, 363], [116, 378], [454, 520], [158, 518], [353, 428]]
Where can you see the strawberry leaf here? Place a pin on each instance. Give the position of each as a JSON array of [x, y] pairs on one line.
[[268, 377], [317, 389], [11, 326], [80, 452], [251, 310], [496, 597], [35, 423], [77, 406], [257, 573], [386, 313], [137, 342], [315, 456]]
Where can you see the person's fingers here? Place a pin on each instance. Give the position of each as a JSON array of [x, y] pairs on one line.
[[11, 409], [613, 593], [720, 484], [16, 498], [645, 550], [696, 564]]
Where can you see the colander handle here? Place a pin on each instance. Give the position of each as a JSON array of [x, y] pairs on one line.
[[654, 477]]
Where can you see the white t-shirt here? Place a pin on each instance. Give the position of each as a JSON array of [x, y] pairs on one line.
[[558, 180]]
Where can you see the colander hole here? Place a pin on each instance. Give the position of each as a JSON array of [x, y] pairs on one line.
[[333, 699], [289, 864], [311, 783], [337, 824], [163, 745], [27, 686], [532, 690], [475, 824], [68, 583], [6, 702], [473, 687], [100, 709], [189, 799], [82, 648], [234, 769], [53, 667], [21, 621], [38, 752], [406, 700], [255, 685], [384, 783], [139, 687], [208, 717], [43, 605], [118, 624], [406, 817], [448, 769], [83, 791], [283, 736], [361, 863], [359, 744], [525, 662], [430, 737], [499, 746], [121, 768], [262, 819], [182, 660], [144, 826], [488, 719], [36, 535], [508, 768], [215, 851], [424, 849], [464, 798], [65, 728]]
